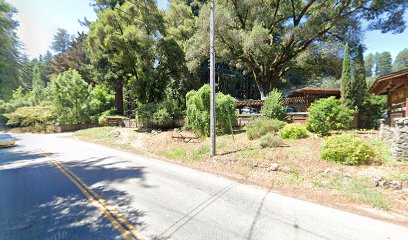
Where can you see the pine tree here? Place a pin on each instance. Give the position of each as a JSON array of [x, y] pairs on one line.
[[369, 64], [383, 63], [359, 84], [346, 85], [38, 84]]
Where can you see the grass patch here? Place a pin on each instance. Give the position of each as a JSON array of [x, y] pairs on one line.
[[176, 154], [98, 133], [201, 153], [294, 177], [249, 153], [357, 190], [383, 148]]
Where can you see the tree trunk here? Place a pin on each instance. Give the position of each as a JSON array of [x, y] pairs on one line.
[[266, 83], [119, 96]]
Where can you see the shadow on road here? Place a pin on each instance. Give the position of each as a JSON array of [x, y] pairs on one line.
[[38, 202]]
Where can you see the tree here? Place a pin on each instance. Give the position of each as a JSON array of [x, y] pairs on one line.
[[346, 79], [359, 84], [70, 98], [60, 43], [74, 58], [9, 51], [369, 64], [401, 60], [264, 37], [383, 64], [130, 50], [195, 5], [38, 85]]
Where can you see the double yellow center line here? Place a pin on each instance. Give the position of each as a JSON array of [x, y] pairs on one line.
[[127, 230]]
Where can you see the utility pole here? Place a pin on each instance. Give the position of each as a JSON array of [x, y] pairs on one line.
[[213, 116]]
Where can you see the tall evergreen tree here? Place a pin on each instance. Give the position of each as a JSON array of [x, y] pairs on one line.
[[369, 65], [383, 64], [346, 85], [401, 60], [61, 41], [359, 86], [38, 84]]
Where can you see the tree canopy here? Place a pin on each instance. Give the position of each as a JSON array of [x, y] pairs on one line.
[[266, 40]]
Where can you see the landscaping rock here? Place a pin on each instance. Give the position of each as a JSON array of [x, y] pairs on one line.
[[383, 183], [331, 172], [285, 169], [396, 185], [273, 167], [347, 174], [375, 181]]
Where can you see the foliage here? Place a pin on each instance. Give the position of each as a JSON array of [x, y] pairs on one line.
[[38, 85], [101, 101], [159, 115], [70, 98], [75, 57], [60, 43], [29, 116], [347, 149], [262, 126], [372, 110], [265, 37], [294, 131], [270, 140], [346, 81], [383, 63], [107, 114], [273, 105], [9, 51], [198, 111], [328, 114], [125, 51], [401, 60], [369, 64], [359, 84]]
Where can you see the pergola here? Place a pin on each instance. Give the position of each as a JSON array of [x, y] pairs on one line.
[[395, 86], [300, 99]]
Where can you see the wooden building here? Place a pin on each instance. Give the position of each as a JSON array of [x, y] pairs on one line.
[[395, 86]]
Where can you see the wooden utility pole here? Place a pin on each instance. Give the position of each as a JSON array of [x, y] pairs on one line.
[[212, 83]]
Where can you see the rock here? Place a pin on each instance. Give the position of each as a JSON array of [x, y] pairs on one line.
[[347, 174], [154, 132], [396, 185], [255, 164], [331, 172], [273, 167], [383, 183], [375, 181], [285, 169]]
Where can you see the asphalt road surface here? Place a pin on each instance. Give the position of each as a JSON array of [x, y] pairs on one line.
[[53, 187]]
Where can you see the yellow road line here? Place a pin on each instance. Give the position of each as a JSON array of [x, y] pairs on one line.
[[105, 204], [100, 203]]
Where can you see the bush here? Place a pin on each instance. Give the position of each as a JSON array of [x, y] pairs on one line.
[[270, 140], [262, 126], [273, 105], [159, 115], [294, 131], [328, 114], [198, 111], [372, 110], [347, 149], [36, 117]]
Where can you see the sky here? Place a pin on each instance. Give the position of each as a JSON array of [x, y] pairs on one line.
[[40, 19]]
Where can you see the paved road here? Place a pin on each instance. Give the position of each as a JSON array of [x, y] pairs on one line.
[[42, 199]]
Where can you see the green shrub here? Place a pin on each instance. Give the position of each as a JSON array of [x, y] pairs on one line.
[[262, 126], [270, 140], [347, 149], [294, 131], [328, 114], [273, 105], [159, 115], [198, 111], [371, 111], [37, 117]]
